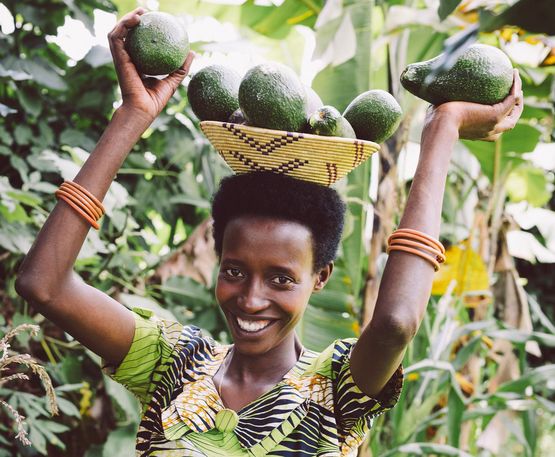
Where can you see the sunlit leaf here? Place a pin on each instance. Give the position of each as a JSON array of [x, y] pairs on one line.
[[528, 183], [466, 267]]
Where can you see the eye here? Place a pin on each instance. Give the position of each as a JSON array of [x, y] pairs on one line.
[[233, 272], [282, 280]]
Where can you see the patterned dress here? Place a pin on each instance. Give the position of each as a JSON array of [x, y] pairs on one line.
[[316, 410]]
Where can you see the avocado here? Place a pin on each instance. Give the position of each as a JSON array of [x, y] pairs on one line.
[[213, 93], [237, 117], [272, 96], [158, 45], [374, 115], [328, 121], [481, 74]]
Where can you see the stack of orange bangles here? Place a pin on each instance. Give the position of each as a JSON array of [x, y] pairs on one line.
[[417, 243], [82, 201]]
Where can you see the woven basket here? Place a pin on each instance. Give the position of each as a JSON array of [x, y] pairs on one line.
[[319, 159]]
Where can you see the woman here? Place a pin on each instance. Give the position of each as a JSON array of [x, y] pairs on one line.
[[276, 238]]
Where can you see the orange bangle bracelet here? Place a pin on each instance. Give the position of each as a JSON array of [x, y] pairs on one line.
[[421, 254], [69, 196], [423, 235], [418, 236], [82, 201], [95, 200], [406, 242], [80, 211]]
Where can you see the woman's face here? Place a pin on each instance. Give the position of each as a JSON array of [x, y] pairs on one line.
[[265, 280]]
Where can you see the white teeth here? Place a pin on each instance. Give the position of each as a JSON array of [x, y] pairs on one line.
[[252, 326]]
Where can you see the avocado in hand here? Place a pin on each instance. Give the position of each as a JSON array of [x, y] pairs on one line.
[[481, 74]]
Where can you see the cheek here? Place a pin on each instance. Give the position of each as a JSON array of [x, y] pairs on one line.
[[222, 291]]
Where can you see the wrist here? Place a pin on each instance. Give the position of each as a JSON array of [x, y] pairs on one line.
[[133, 118], [442, 120]]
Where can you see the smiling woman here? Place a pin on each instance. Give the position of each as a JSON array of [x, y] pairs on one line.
[[265, 395]]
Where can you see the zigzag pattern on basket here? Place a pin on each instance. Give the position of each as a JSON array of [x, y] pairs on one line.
[[264, 148], [319, 159], [283, 168]]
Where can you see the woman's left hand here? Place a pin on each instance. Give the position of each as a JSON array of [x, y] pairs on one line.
[[475, 121]]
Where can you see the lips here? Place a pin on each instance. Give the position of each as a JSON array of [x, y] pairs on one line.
[[251, 327]]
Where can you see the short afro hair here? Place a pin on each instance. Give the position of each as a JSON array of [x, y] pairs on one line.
[[268, 194]]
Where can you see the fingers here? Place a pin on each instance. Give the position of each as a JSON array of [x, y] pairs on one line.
[[127, 22], [125, 70]]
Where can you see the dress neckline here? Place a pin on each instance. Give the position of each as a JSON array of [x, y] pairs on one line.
[[222, 350]]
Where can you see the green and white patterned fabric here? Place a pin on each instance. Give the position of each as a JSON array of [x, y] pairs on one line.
[[316, 410]]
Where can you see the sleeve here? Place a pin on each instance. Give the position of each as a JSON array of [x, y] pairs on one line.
[[354, 409], [149, 355]]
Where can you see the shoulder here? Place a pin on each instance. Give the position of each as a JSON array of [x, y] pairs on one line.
[[328, 362]]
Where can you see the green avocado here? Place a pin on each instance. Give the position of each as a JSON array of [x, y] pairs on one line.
[[481, 74], [272, 96], [328, 121], [158, 45], [213, 93], [374, 115]]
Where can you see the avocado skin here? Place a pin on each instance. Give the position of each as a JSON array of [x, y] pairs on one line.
[[481, 74], [158, 45], [272, 96], [374, 115], [327, 121], [213, 93]]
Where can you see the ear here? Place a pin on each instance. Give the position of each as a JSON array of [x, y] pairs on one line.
[[323, 277]]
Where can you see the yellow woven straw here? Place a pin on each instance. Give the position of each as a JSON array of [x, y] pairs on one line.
[[319, 159]]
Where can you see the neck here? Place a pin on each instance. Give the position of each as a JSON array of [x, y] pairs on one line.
[[270, 366]]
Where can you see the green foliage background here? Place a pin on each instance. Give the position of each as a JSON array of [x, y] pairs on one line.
[[53, 112]]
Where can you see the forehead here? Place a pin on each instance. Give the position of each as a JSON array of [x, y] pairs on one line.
[[267, 239]]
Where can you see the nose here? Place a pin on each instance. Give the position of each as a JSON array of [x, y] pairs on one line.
[[252, 300]]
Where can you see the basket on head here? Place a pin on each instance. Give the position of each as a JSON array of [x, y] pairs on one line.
[[319, 159]]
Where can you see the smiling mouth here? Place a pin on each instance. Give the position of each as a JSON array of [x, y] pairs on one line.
[[252, 326]]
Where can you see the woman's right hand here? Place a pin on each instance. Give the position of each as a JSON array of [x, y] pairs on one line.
[[148, 96]]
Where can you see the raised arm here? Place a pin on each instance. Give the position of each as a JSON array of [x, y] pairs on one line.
[[407, 280], [46, 277]]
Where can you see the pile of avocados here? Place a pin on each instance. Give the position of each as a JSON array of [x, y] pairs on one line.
[[272, 96]]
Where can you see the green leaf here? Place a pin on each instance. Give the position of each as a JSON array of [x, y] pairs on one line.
[[23, 134], [338, 85], [38, 439], [455, 410], [30, 100], [523, 138], [67, 407], [187, 287], [529, 183], [125, 399], [132, 301], [333, 300], [537, 16], [319, 328], [446, 7], [535, 377], [44, 73], [425, 449]]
